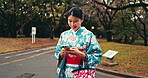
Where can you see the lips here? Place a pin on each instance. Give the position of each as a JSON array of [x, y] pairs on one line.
[[74, 27]]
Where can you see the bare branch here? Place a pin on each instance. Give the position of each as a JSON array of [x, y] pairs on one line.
[[141, 4]]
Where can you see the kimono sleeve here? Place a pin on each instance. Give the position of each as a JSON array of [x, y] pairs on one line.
[[58, 48], [94, 52]]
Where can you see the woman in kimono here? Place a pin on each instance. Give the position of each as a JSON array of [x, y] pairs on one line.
[[83, 47]]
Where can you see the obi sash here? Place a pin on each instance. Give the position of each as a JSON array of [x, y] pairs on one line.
[[74, 59]]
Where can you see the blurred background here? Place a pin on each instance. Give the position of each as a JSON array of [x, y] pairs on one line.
[[122, 21]]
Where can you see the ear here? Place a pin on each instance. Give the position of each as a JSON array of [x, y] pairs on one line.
[[82, 19]]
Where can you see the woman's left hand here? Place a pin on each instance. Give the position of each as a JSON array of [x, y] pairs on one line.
[[74, 50]]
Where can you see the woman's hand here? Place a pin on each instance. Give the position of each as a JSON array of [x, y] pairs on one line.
[[63, 52], [72, 50], [75, 51]]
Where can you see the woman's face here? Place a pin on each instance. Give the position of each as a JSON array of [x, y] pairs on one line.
[[74, 22]]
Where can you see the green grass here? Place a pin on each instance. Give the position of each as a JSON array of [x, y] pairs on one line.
[[131, 58], [139, 42]]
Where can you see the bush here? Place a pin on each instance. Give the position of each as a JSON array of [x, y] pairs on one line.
[[20, 36]]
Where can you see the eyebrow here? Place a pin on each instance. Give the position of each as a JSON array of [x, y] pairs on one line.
[[71, 19]]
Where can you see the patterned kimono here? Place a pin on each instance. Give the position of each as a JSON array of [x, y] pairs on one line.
[[82, 39]]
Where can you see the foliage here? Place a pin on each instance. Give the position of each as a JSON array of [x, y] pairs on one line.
[[140, 22], [19, 15], [20, 36], [56, 11], [138, 15], [124, 31]]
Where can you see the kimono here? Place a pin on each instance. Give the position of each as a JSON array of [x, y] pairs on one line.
[[81, 39]]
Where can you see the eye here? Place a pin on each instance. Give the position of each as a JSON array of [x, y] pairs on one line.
[[69, 20], [76, 21]]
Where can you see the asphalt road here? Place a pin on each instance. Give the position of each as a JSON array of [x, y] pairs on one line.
[[39, 63]]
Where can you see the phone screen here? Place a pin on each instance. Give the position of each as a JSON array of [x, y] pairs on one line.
[[65, 46]]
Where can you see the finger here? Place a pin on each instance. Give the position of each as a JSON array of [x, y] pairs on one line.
[[73, 48], [63, 49], [64, 52]]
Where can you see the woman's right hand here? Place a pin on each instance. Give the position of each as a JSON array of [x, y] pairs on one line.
[[63, 52]]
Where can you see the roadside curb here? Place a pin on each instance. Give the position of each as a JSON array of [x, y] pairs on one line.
[[20, 50], [118, 74]]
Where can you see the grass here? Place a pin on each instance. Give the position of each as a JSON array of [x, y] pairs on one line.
[[131, 58], [19, 44]]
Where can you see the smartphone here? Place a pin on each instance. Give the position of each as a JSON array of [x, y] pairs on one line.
[[65, 46]]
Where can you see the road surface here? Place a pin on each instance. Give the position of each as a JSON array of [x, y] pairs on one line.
[[39, 63]]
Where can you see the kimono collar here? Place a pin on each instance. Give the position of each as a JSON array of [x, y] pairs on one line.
[[78, 31]]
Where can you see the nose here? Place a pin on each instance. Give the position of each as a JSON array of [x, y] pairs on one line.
[[73, 23]]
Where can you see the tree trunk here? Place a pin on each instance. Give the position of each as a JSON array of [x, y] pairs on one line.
[[145, 41], [52, 33], [13, 33], [13, 28], [13, 22], [109, 36]]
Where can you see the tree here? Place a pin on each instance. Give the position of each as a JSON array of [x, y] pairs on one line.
[[56, 11], [106, 16], [129, 4], [25, 12], [19, 15], [124, 30], [7, 13], [140, 23]]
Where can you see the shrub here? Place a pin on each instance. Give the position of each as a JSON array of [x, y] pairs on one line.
[[20, 36]]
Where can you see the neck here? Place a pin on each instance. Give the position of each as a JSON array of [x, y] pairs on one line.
[[77, 29]]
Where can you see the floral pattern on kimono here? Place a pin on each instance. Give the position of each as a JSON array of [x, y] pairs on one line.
[[82, 39]]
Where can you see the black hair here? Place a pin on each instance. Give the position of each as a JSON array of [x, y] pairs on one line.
[[75, 11]]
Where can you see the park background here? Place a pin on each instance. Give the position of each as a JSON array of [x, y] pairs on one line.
[[119, 25]]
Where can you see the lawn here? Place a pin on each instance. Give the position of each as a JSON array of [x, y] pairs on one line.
[[132, 59], [19, 44]]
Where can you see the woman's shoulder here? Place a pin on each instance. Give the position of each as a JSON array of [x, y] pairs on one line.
[[86, 31]]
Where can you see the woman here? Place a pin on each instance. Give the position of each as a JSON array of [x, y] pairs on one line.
[[83, 47]]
